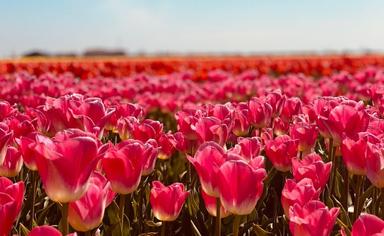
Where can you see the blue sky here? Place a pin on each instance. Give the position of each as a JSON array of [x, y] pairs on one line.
[[191, 26]]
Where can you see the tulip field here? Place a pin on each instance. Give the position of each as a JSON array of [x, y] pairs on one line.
[[200, 146]]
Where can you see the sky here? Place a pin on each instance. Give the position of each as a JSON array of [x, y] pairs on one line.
[[191, 26]]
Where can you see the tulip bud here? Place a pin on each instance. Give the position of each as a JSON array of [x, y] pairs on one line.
[[11, 199], [233, 176], [312, 219], [167, 201], [87, 213]]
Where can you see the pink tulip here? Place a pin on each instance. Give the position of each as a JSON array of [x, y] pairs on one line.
[[375, 164], [292, 106], [207, 161], [147, 129], [344, 120], [5, 137], [312, 219], [47, 230], [65, 163], [6, 109], [260, 113], [241, 123], [312, 167], [212, 129], [354, 155], [12, 163], [306, 134], [368, 225], [233, 176], [26, 146], [210, 205], [248, 148], [123, 166], [11, 200], [150, 154], [167, 201], [299, 192], [87, 213], [280, 152], [168, 143]]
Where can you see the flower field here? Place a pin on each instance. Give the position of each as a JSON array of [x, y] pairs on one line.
[[258, 145]]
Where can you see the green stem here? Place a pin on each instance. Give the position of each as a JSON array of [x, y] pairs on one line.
[[236, 225], [218, 217], [346, 194], [381, 204], [64, 219], [122, 208], [359, 188], [34, 190], [163, 228]]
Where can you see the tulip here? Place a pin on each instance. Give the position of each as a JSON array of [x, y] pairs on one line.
[[276, 101], [233, 176], [354, 155], [299, 192], [306, 134], [375, 165], [167, 201], [65, 164], [6, 109], [26, 146], [260, 113], [87, 213], [292, 106], [47, 230], [207, 161], [168, 143], [210, 205], [312, 219], [312, 167], [123, 166], [248, 148], [241, 123], [5, 137], [280, 152], [212, 129], [147, 129], [344, 119], [12, 163], [367, 225], [150, 153], [11, 199]]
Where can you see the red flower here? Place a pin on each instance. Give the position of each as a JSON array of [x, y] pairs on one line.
[[354, 155], [306, 134], [312, 219], [233, 176], [11, 199], [65, 163], [280, 152], [207, 161], [123, 165], [167, 201], [12, 163], [260, 113], [299, 192], [312, 167], [210, 205], [87, 213], [368, 225]]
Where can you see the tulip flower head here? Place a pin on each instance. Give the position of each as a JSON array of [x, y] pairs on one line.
[[167, 201]]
